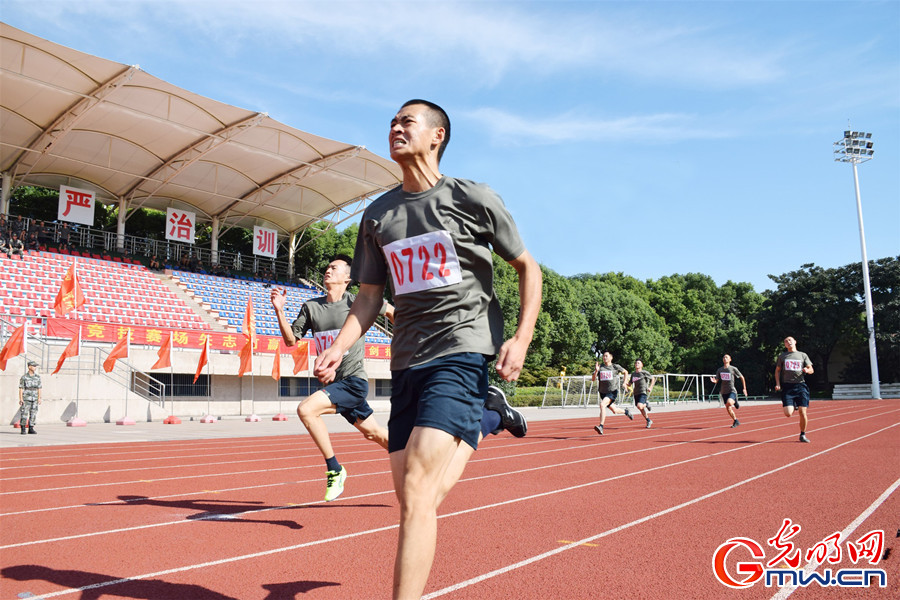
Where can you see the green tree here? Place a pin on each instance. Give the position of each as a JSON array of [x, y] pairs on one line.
[[884, 276], [818, 307], [623, 322]]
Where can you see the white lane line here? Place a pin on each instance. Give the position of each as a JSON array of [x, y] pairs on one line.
[[812, 565], [485, 507], [474, 460], [593, 538]]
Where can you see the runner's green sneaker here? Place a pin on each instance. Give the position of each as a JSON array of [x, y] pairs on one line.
[[335, 485]]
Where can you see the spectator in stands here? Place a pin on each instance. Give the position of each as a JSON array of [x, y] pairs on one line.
[[607, 376], [44, 235], [4, 227], [18, 226], [65, 236], [154, 264], [33, 243], [346, 394], [789, 370], [448, 325], [184, 264], [726, 375], [4, 245], [16, 246]]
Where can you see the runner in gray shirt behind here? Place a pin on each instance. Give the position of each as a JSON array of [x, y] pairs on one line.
[[346, 394]]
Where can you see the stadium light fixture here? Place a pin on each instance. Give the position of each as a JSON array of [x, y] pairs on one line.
[[857, 147]]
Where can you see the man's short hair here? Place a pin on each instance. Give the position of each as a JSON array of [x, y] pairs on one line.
[[437, 117], [342, 257]]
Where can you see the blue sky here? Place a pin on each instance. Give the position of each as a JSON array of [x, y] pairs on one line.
[[649, 138]]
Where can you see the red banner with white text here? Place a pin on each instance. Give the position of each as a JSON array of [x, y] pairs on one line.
[[183, 338]]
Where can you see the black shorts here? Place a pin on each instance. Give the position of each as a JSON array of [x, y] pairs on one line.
[[612, 395], [446, 393], [796, 394], [349, 397], [640, 399], [729, 396]]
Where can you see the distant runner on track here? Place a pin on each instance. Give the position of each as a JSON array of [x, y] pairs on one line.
[[608, 376], [789, 379], [726, 376]]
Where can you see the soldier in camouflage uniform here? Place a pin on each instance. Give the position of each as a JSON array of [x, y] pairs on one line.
[[29, 398]]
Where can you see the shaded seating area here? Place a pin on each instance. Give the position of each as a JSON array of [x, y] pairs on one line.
[[116, 292], [229, 297]]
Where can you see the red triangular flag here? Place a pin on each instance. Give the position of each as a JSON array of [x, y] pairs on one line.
[[246, 359], [14, 346], [204, 358], [300, 353], [249, 327], [70, 296], [276, 366], [71, 350], [120, 350], [164, 354]]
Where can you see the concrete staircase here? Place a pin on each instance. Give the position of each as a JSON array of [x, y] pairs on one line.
[[203, 309]]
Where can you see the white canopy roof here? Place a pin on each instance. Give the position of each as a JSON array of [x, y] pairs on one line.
[[74, 119]]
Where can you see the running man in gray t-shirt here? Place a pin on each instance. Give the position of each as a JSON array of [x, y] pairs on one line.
[[346, 394], [790, 381], [607, 377], [726, 375], [432, 239], [641, 383]]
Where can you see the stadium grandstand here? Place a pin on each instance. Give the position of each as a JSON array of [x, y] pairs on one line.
[[133, 141]]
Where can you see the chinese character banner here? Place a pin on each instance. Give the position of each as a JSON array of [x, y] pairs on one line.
[[180, 225], [76, 206], [265, 241]]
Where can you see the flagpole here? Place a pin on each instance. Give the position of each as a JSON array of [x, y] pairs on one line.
[[126, 420], [208, 418], [171, 419]]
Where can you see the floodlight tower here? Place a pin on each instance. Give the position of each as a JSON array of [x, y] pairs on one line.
[[855, 148]]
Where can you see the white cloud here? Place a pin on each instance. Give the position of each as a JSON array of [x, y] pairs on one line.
[[488, 41], [511, 129]]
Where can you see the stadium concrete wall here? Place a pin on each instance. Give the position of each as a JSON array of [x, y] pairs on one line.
[[82, 388]]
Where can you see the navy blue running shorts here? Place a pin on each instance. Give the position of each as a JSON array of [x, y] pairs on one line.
[[612, 395], [729, 396], [349, 397], [796, 394], [446, 393], [640, 399]]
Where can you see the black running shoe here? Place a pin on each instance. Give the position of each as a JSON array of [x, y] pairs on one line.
[[803, 438], [735, 424], [628, 414], [598, 429], [510, 419]]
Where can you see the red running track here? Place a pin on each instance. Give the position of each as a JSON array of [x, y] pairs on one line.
[[562, 513]]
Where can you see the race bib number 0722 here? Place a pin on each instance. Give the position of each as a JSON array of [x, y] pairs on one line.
[[423, 262]]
